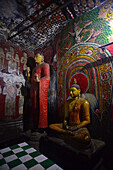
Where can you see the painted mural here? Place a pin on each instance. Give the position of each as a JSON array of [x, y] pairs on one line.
[[12, 62], [80, 57]]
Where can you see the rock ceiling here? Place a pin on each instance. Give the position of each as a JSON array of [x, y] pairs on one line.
[[32, 23]]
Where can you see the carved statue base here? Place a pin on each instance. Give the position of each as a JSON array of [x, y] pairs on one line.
[[69, 157]]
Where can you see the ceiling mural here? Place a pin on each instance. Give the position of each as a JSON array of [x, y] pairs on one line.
[[32, 23]]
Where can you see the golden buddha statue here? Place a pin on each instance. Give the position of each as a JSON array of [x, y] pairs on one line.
[[76, 117]]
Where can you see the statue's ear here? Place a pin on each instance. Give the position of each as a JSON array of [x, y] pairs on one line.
[[79, 90]]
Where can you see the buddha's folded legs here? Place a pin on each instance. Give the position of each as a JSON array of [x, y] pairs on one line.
[[80, 136]]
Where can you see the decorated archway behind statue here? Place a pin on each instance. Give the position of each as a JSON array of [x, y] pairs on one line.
[[85, 63]]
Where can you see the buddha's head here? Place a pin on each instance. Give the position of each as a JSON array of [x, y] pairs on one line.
[[75, 90], [39, 58]]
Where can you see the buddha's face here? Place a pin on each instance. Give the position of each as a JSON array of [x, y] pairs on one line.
[[38, 58], [74, 92]]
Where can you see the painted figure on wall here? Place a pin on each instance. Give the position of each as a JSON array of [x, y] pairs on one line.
[[76, 117], [24, 59], [39, 91], [25, 90], [2, 58], [11, 62], [10, 91]]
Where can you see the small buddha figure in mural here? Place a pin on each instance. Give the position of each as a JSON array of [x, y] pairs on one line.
[[76, 117], [39, 92]]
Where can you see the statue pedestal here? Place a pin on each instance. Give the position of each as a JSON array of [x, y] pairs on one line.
[[68, 157]]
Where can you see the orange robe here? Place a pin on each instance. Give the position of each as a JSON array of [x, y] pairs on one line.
[[39, 95]]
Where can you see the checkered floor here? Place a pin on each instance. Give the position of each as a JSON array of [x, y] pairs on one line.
[[22, 156]]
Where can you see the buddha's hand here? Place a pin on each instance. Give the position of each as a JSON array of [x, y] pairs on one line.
[[28, 72], [36, 77], [65, 125], [70, 133], [72, 128]]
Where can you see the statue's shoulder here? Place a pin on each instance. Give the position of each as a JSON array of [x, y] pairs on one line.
[[84, 101], [45, 64]]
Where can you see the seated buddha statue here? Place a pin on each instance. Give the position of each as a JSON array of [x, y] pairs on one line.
[[76, 117]]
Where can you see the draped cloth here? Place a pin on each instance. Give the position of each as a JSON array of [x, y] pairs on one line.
[[39, 95]]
